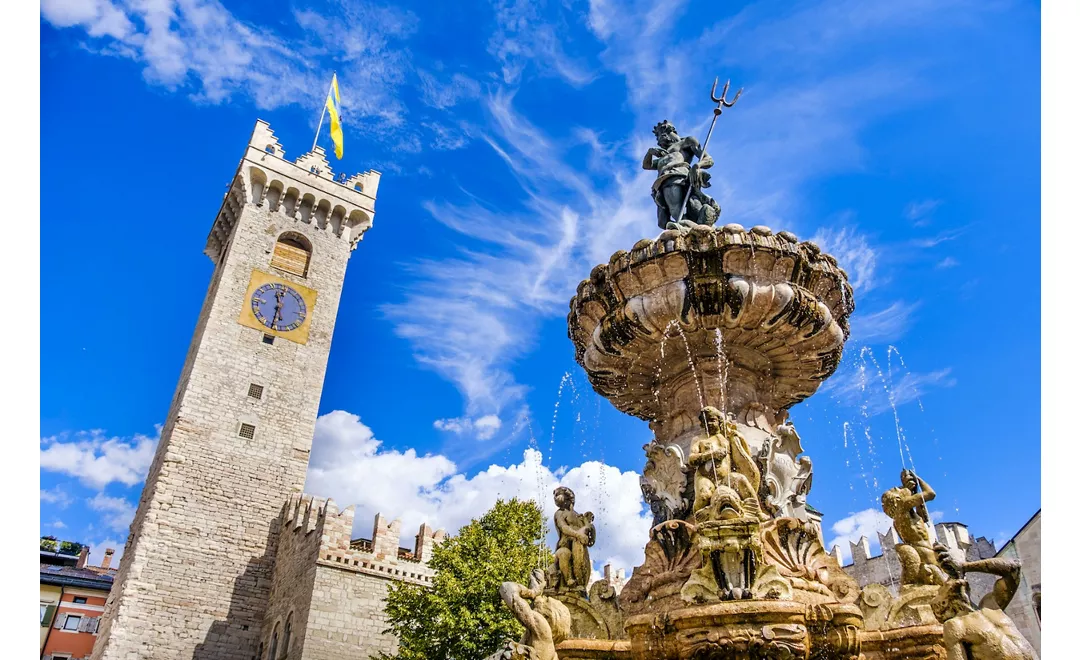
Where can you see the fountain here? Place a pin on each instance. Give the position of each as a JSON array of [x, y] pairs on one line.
[[711, 334]]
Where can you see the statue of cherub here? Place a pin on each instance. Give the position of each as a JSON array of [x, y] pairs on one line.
[[572, 566], [546, 620], [984, 632], [906, 505]]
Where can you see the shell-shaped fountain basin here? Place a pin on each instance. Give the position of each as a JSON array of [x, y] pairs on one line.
[[747, 629], [651, 325]]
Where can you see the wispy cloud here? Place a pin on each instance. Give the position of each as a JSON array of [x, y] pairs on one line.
[[56, 496], [200, 48], [885, 325], [859, 384], [852, 251], [920, 212], [947, 262], [938, 239], [470, 315]]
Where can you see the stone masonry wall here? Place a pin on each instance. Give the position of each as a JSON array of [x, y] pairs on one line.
[[334, 588], [195, 578], [1025, 608]]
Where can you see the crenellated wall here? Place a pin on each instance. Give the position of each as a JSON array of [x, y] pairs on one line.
[[334, 586], [884, 569]]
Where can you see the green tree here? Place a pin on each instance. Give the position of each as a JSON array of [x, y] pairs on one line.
[[460, 616]]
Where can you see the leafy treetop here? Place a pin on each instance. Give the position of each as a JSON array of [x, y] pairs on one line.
[[460, 616]]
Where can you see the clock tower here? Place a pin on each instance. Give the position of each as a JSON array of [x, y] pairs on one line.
[[195, 576]]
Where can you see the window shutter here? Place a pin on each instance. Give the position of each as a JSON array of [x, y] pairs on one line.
[[60, 621], [84, 624], [50, 612], [92, 627], [290, 259]]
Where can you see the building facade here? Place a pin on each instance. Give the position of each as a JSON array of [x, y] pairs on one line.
[[73, 597]]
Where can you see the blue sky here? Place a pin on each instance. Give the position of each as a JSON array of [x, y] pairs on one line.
[[903, 136]]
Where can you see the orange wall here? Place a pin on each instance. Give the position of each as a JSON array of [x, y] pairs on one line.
[[78, 644]]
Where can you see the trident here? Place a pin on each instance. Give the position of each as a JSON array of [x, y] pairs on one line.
[[721, 103]]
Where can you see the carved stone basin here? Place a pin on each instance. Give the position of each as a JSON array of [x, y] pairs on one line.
[[774, 308], [756, 629]]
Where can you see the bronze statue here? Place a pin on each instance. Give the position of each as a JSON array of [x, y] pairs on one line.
[[722, 462], [906, 505], [984, 632], [546, 620], [572, 566], [676, 177]]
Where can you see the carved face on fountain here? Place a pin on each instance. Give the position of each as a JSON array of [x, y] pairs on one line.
[[726, 504], [952, 600]]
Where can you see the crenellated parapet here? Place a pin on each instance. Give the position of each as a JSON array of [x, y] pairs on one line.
[[302, 191], [381, 555]]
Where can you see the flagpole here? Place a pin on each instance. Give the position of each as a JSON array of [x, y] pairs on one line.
[[322, 117]]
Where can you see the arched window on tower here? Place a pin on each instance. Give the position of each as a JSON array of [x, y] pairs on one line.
[[285, 641], [292, 254], [273, 645]]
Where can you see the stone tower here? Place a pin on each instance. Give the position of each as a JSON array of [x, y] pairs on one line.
[[196, 573]]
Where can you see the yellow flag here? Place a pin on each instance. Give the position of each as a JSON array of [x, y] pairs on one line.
[[333, 100]]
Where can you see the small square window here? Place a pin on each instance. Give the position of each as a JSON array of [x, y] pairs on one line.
[[247, 431], [72, 622], [268, 339], [79, 599], [255, 391]]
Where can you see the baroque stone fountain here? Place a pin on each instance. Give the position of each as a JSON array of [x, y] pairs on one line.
[[711, 333]]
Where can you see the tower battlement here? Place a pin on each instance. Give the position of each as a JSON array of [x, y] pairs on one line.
[[303, 191], [382, 555]]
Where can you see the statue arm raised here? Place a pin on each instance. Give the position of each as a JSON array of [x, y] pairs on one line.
[[649, 162], [514, 595]]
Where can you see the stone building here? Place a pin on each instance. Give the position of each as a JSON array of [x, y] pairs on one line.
[[73, 595], [1025, 608], [225, 557]]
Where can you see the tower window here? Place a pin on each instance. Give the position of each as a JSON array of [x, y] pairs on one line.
[[292, 253], [247, 431], [268, 339], [255, 391], [270, 149]]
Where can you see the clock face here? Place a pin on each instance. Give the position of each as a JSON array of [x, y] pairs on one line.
[[278, 307]]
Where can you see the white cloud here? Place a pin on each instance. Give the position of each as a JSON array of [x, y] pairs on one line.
[[98, 460], [56, 524], [56, 496], [886, 325], [482, 427], [852, 251], [947, 262], [349, 464], [201, 47], [868, 523], [116, 512]]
